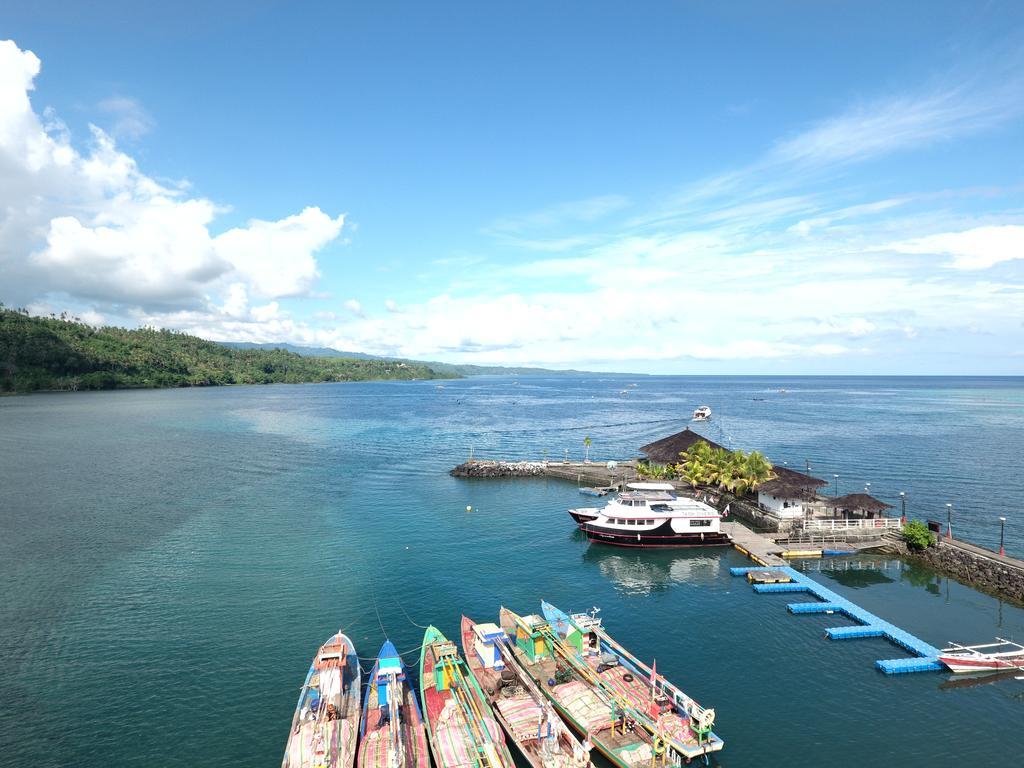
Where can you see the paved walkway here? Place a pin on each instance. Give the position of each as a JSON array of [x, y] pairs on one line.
[[1013, 562]]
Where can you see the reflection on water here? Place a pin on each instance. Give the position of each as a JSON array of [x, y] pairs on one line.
[[642, 572], [920, 576], [867, 570], [971, 681], [857, 577]]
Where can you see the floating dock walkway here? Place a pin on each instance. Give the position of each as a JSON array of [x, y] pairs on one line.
[[925, 656]]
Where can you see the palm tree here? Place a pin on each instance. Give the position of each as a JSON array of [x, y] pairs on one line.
[[758, 469], [586, 449], [692, 472]]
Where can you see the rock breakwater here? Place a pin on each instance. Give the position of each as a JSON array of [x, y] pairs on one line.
[[500, 469]]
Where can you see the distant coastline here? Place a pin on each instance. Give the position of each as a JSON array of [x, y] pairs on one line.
[[64, 354]]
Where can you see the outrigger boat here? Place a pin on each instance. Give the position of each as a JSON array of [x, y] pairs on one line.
[[461, 730], [592, 708], [984, 658], [391, 729], [683, 723], [517, 702], [326, 722]]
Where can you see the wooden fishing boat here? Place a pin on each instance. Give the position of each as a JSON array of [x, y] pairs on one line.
[[683, 725], [461, 730], [593, 710], [326, 722], [991, 657], [391, 730], [518, 704]]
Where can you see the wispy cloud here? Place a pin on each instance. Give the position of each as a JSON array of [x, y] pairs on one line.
[[958, 106], [129, 119], [576, 211]]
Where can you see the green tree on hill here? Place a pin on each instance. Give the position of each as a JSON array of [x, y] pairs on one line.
[[66, 354]]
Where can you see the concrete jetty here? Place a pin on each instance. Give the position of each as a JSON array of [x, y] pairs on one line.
[[759, 548], [925, 655]]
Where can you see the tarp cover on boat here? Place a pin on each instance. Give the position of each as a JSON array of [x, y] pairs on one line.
[[584, 705], [522, 714]]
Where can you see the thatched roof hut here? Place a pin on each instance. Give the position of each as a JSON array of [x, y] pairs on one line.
[[667, 450], [790, 484], [853, 503]]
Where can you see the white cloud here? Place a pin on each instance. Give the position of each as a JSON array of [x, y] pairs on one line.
[[129, 118], [978, 248], [745, 268], [92, 225]]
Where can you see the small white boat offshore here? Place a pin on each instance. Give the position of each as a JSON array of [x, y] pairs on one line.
[[702, 414], [652, 515], [991, 657], [326, 723]]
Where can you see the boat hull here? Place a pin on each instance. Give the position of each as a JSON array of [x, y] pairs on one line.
[[583, 515], [966, 665], [529, 746], [600, 739], [640, 684], [316, 738], [374, 733], [444, 718], [662, 536]]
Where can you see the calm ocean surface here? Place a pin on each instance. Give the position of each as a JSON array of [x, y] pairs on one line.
[[170, 560]]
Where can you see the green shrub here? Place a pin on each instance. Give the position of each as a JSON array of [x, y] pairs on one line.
[[917, 535]]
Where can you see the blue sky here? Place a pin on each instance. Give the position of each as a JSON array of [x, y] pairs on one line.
[[798, 187]]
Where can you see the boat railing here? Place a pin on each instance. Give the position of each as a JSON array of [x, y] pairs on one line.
[[1008, 644]]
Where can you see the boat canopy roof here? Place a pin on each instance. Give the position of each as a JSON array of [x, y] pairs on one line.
[[651, 486], [487, 631]]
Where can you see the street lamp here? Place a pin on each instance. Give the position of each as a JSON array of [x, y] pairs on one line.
[[1002, 535], [807, 463], [837, 485], [949, 521], [903, 507]]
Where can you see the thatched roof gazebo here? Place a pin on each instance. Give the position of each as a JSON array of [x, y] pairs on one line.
[[667, 450], [857, 504], [790, 484]]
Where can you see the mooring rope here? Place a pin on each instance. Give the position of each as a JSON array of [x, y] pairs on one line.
[[407, 616], [373, 593]]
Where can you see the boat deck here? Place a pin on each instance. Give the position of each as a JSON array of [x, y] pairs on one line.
[[869, 625]]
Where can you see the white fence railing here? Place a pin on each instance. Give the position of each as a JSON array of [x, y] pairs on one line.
[[879, 523]]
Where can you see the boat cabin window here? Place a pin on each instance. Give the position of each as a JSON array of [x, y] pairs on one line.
[[700, 523]]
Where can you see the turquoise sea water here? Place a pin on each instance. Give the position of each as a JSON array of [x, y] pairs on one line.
[[172, 559]]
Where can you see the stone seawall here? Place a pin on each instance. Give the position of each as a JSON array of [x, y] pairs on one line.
[[499, 469], [989, 573]]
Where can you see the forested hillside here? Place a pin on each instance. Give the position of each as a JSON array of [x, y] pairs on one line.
[[59, 353]]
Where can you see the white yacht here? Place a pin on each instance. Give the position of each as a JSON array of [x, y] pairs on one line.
[[652, 515], [702, 414]]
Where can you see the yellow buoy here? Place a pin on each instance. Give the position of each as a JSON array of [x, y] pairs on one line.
[[469, 508]]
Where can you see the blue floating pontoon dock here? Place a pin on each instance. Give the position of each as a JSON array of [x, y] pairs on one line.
[[869, 624]]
